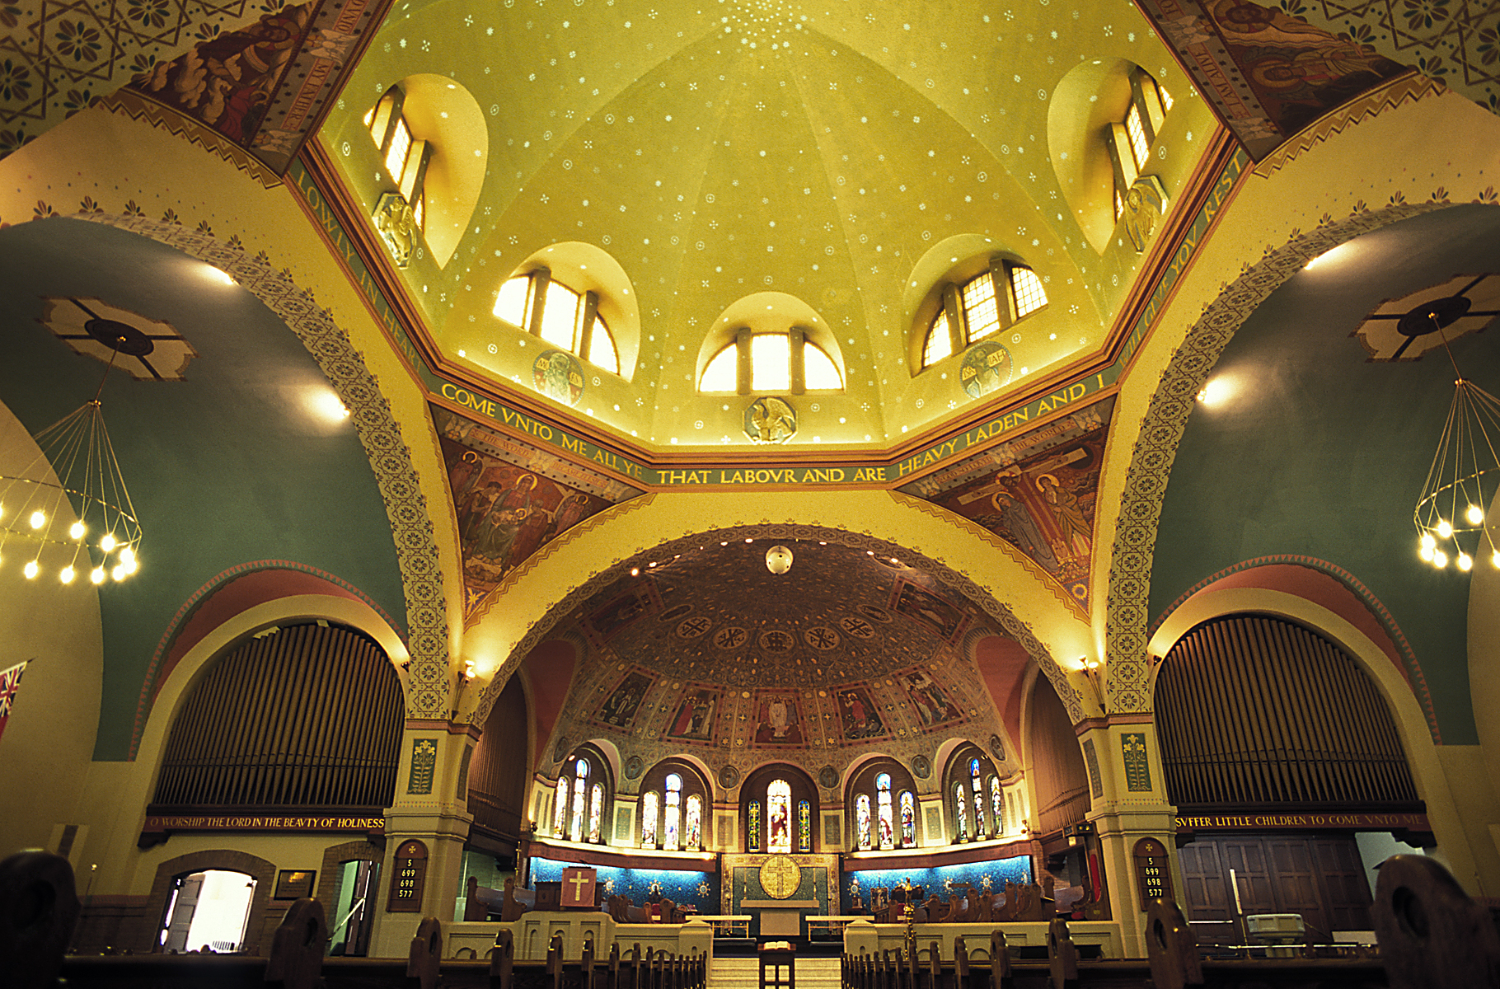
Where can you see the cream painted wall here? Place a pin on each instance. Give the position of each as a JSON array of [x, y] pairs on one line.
[[49, 737]]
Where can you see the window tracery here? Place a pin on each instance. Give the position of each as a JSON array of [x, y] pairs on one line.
[[881, 798], [977, 798], [564, 318], [771, 363], [1129, 139], [583, 798], [981, 307], [671, 807], [404, 155], [778, 807]]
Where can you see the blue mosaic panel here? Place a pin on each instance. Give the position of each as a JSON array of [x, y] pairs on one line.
[[983, 876], [681, 886]]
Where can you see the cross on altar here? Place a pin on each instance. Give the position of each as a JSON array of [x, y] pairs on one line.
[[578, 887]]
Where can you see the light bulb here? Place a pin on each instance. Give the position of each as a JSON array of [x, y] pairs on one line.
[[67, 575], [1465, 561], [108, 542], [1428, 543], [1444, 530], [97, 575], [118, 573], [30, 570], [1425, 552], [38, 519], [76, 530], [1495, 559], [129, 566], [127, 556], [1439, 559], [1474, 514]]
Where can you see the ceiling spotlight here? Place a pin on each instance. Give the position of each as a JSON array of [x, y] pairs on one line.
[[778, 559]]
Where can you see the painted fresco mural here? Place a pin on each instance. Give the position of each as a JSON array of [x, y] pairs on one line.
[[622, 703], [1036, 493], [511, 500]]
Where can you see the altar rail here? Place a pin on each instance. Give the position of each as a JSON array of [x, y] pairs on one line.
[[535, 930], [861, 936]]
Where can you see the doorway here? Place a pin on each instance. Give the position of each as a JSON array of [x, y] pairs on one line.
[[208, 909], [354, 908]]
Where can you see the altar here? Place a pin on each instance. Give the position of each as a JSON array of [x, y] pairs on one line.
[[779, 890]]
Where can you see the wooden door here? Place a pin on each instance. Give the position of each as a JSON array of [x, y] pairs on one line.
[[1205, 882], [180, 913], [1346, 886], [357, 937], [1295, 884], [1245, 857]]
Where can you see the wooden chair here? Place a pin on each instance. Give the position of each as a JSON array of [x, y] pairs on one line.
[[425, 955], [1432, 936], [1171, 947], [1062, 956], [38, 908], [296, 960]]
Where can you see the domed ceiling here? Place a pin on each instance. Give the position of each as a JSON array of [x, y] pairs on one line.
[[840, 159], [698, 647]]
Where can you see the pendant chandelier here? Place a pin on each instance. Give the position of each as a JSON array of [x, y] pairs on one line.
[[70, 501], [1465, 471]]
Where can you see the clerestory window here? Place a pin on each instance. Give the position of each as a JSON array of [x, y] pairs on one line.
[[984, 305], [770, 363], [564, 318], [1130, 138], [404, 155]]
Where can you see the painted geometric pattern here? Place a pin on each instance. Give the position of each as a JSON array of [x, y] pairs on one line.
[[1457, 41], [1166, 419], [379, 433], [58, 56]]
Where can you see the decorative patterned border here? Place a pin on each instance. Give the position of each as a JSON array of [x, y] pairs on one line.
[[197, 599], [131, 104], [1166, 418], [1009, 623], [981, 533], [379, 433], [1414, 676], [1412, 86]]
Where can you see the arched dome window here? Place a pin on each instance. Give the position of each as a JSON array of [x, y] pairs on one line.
[[405, 156], [881, 800], [975, 796], [771, 363], [1129, 139], [674, 796], [980, 307], [777, 807], [566, 319], [583, 798]]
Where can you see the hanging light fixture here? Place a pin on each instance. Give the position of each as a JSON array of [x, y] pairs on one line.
[[1465, 470], [72, 494], [778, 560]]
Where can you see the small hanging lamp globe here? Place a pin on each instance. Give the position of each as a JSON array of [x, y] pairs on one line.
[[778, 560]]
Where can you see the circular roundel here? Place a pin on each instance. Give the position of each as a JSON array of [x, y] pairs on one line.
[[821, 637], [633, 767], [560, 749], [780, 877], [731, 638], [121, 336], [691, 628], [857, 627], [729, 777], [921, 767], [828, 777], [997, 748]]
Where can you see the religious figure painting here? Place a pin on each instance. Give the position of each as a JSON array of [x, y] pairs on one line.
[[694, 720], [621, 611], [622, 703], [505, 504], [1036, 492], [928, 699], [859, 715], [924, 606], [778, 718]]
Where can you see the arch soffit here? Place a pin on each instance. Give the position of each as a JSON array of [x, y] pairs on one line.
[[441, 110], [574, 567], [1150, 419], [391, 459]]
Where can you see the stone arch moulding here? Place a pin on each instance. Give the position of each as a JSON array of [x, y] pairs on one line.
[[544, 615], [1129, 688], [263, 916], [390, 459]]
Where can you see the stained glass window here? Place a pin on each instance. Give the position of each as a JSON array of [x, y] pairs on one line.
[[779, 816], [560, 812], [693, 831], [754, 826], [979, 829], [997, 803], [962, 812], [672, 818], [887, 817], [804, 826], [596, 808], [908, 819], [575, 830], [862, 821], [650, 807]]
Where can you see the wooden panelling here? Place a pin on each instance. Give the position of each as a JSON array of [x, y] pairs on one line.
[[499, 770], [309, 716], [1062, 783], [1255, 712]]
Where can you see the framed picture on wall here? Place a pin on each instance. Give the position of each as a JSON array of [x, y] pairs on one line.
[[294, 884]]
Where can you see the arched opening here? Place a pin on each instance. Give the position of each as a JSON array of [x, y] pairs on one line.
[[778, 805]]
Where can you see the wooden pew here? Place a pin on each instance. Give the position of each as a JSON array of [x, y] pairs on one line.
[[503, 960], [1171, 947], [1001, 976], [1432, 936], [425, 955], [1062, 956], [38, 908], [296, 960]]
